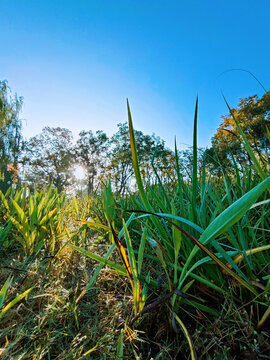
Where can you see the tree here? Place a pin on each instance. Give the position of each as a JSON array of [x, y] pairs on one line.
[[120, 167], [253, 115], [49, 157], [11, 140], [186, 162], [90, 151]]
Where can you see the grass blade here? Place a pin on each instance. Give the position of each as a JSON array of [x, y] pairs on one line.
[[188, 337], [251, 153], [14, 302], [195, 165], [118, 268]]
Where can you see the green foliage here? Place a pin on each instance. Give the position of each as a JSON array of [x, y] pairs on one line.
[[49, 157], [3, 297], [32, 220], [91, 151], [120, 166], [198, 232], [10, 136], [187, 253], [252, 116]]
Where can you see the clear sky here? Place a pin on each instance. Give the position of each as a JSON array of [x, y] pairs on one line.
[[75, 62]]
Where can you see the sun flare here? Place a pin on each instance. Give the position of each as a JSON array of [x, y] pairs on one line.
[[79, 172]]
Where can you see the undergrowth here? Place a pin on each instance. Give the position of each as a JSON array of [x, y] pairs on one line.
[[173, 271]]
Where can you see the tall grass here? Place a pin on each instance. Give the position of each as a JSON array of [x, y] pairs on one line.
[[32, 220], [205, 233], [194, 248]]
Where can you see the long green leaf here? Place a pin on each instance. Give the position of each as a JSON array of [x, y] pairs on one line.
[[118, 268], [138, 177], [175, 217], [20, 213], [251, 153], [228, 218], [212, 255], [135, 162], [188, 337], [120, 347], [234, 212], [4, 289], [14, 302], [195, 165], [108, 254], [179, 178]]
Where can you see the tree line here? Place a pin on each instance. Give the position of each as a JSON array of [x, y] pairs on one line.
[[50, 157]]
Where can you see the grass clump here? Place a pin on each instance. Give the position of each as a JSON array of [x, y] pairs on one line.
[[175, 270]]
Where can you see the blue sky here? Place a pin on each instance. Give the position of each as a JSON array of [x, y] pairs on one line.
[[76, 62]]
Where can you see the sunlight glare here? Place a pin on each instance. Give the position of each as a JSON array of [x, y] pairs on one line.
[[79, 172]]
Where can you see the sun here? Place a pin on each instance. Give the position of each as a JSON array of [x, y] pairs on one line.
[[79, 172]]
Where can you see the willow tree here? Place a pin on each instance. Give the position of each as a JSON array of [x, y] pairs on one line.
[[10, 135]]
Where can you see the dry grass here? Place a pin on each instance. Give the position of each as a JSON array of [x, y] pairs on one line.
[[57, 322]]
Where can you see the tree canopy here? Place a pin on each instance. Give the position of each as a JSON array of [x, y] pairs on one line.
[[120, 160], [11, 140], [90, 151], [49, 157], [253, 115]]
